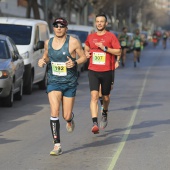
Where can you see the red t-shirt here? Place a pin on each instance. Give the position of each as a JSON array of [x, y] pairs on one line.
[[100, 60]]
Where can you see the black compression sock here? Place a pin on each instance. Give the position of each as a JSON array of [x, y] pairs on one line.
[[55, 129], [104, 113], [101, 100], [94, 119]]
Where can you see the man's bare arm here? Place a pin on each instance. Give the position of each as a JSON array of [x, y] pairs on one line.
[[45, 59], [109, 50], [79, 50]]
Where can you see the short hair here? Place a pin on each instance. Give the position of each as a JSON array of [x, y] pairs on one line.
[[124, 28], [101, 15]]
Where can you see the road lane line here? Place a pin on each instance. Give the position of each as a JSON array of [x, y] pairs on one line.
[[130, 124]]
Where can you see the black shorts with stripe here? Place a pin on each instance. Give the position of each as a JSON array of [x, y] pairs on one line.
[[104, 78]]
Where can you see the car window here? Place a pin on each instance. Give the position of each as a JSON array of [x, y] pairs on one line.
[[21, 34], [14, 46], [81, 34], [3, 50]]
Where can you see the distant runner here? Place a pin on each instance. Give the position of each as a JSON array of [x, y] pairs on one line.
[[123, 39], [137, 44]]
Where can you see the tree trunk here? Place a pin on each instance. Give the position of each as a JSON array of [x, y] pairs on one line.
[[28, 12], [35, 10], [32, 4]]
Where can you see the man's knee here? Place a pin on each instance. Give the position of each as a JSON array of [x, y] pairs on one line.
[[106, 98]]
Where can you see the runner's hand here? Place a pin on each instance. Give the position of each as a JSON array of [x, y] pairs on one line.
[[41, 62], [100, 45], [69, 63], [88, 54], [116, 64]]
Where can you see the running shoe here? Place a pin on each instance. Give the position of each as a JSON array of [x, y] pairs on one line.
[[134, 64], [103, 122], [70, 126], [138, 59], [57, 150], [95, 128]]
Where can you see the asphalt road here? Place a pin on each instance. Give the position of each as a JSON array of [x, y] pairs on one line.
[[137, 136]]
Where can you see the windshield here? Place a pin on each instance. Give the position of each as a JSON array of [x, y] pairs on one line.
[[20, 34], [82, 34], [3, 50]]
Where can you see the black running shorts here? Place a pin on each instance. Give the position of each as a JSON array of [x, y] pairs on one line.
[[103, 78], [137, 49]]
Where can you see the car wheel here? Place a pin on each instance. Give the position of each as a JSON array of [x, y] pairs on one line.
[[8, 101], [43, 84], [18, 95], [29, 86]]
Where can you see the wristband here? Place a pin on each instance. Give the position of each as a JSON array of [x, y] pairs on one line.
[[105, 48]]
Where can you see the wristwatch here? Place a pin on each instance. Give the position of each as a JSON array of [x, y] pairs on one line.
[[75, 63], [118, 61], [105, 48]]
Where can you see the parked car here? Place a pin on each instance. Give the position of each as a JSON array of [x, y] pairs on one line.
[[82, 31], [11, 72], [29, 36]]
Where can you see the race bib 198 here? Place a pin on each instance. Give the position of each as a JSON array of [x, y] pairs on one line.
[[59, 68], [99, 58]]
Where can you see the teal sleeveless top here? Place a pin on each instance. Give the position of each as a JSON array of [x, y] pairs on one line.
[[124, 42], [137, 41], [61, 56]]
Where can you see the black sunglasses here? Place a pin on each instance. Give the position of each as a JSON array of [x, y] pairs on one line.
[[59, 26]]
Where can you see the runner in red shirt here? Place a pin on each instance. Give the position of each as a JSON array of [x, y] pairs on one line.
[[101, 48]]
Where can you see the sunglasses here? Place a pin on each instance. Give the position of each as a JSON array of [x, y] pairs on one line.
[[59, 26]]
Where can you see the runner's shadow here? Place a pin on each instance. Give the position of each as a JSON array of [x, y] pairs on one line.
[[139, 107], [5, 141], [143, 124], [110, 136], [113, 139]]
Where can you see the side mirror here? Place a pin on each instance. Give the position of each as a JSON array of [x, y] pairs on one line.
[[15, 57], [39, 45]]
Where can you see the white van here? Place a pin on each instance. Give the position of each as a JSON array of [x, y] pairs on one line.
[[82, 31], [29, 36]]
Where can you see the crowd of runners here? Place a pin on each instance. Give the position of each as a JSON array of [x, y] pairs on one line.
[[105, 53]]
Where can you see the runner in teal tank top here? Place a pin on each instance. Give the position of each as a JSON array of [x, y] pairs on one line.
[[60, 56], [137, 43], [124, 42], [57, 72]]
